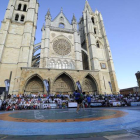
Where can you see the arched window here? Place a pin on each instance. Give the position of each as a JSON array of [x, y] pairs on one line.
[[93, 20], [61, 25], [65, 65], [59, 65], [19, 7], [71, 65], [52, 64], [16, 17], [98, 45], [22, 18], [25, 8], [95, 31]]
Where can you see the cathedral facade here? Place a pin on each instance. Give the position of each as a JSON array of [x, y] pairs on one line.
[[68, 52]]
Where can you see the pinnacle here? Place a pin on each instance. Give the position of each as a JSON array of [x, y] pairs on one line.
[[73, 19], [87, 7], [61, 10], [48, 13]]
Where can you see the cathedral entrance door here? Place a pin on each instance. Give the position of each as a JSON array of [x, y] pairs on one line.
[[64, 85], [89, 85], [34, 86]]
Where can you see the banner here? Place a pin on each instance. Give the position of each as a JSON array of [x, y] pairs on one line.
[[49, 105], [79, 86], [135, 103], [72, 104], [95, 104], [110, 85], [46, 83], [116, 103], [7, 85]]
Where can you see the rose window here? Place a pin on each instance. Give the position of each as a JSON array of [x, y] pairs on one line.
[[62, 47]]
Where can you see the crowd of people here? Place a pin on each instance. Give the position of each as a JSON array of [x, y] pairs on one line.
[[32, 101]]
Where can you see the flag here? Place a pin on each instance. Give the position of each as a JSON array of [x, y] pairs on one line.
[[46, 83], [79, 86]]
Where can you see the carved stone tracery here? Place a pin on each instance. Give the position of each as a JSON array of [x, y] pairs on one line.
[[63, 84], [34, 85], [62, 47], [89, 85]]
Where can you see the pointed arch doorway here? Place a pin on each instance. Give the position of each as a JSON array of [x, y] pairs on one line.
[[34, 85], [63, 84], [89, 85]]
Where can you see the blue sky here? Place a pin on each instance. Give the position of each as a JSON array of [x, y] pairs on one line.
[[122, 23]]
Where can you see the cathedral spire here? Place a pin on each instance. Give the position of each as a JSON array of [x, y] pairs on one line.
[[48, 15], [74, 21], [61, 10], [87, 7]]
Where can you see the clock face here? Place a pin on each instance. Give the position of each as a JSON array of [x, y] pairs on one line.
[[62, 47]]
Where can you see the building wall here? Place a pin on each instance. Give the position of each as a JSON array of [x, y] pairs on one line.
[[92, 30], [17, 40], [128, 91], [52, 32], [52, 74]]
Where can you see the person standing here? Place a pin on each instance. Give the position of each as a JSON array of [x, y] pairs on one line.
[[78, 100], [89, 100]]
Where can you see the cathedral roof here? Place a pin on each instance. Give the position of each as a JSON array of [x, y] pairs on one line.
[[61, 14]]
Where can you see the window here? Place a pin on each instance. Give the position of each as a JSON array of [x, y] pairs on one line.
[[22, 18], [16, 17], [93, 20], [19, 7], [65, 65], [95, 31], [61, 19], [97, 44], [71, 65], [52, 64], [59, 65], [61, 25], [25, 8], [103, 65]]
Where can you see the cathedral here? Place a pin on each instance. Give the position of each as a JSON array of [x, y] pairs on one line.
[[68, 52]]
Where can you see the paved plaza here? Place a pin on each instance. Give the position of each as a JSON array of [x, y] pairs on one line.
[[89, 124]]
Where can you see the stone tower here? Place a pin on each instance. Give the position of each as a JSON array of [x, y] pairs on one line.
[[17, 37], [97, 54]]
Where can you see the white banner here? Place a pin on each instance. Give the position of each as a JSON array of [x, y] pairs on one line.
[[79, 86], [49, 105], [46, 83], [7, 85], [72, 104], [96, 104], [135, 103], [116, 103]]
